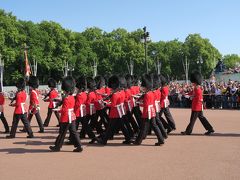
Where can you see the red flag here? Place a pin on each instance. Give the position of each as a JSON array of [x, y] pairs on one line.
[[27, 66]]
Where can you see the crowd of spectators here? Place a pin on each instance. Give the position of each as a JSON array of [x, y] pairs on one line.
[[216, 95]]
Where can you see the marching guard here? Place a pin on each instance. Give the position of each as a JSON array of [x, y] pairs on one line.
[[20, 111], [68, 117], [149, 112], [197, 106], [53, 94], [34, 108], [2, 117]]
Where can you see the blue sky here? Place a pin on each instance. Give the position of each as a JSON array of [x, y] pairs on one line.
[[217, 20]]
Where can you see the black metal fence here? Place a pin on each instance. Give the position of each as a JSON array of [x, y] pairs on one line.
[[210, 101]]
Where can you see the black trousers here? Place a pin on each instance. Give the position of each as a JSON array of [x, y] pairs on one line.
[[4, 121], [145, 125], [49, 114], [137, 114], [86, 128], [62, 133], [16, 118], [114, 123], [170, 124], [127, 124], [133, 122], [193, 118], [160, 125], [104, 119], [94, 123], [39, 119]]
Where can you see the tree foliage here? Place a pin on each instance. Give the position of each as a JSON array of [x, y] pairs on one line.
[[51, 45]]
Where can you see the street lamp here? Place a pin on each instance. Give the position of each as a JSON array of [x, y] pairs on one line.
[[200, 62], [158, 63], [145, 38]]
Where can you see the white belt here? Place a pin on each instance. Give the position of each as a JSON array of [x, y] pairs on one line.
[[70, 115], [83, 110], [92, 109], [22, 107]]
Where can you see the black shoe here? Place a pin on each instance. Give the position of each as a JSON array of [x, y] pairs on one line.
[[169, 130], [10, 137], [93, 141], [159, 143], [6, 132], [22, 130], [45, 125], [82, 136], [78, 149], [165, 136], [54, 148], [100, 141], [127, 142], [185, 133], [209, 132], [41, 131], [136, 143], [58, 125], [30, 136], [68, 143]]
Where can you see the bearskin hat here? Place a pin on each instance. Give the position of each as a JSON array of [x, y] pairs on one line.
[[33, 82], [21, 84], [52, 83], [128, 78], [135, 80], [164, 80], [196, 77], [156, 81], [68, 84], [147, 81], [100, 81], [81, 83], [91, 84], [113, 82], [122, 82]]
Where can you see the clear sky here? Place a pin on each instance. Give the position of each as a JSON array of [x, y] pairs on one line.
[[217, 20]]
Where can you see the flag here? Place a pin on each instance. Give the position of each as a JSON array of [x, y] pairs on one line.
[[27, 66]]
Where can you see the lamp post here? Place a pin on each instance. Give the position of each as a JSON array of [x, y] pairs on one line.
[[71, 69], [185, 63], [158, 63], [145, 39], [200, 62]]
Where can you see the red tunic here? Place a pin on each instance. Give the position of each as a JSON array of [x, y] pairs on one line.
[[98, 103], [121, 108], [91, 98], [20, 107], [148, 106], [80, 104], [2, 102], [67, 111], [157, 97], [128, 100], [113, 113], [34, 102], [197, 101], [52, 95], [135, 90], [164, 97], [108, 90]]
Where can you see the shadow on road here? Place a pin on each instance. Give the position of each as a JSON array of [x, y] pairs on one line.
[[212, 135], [35, 143], [23, 150]]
